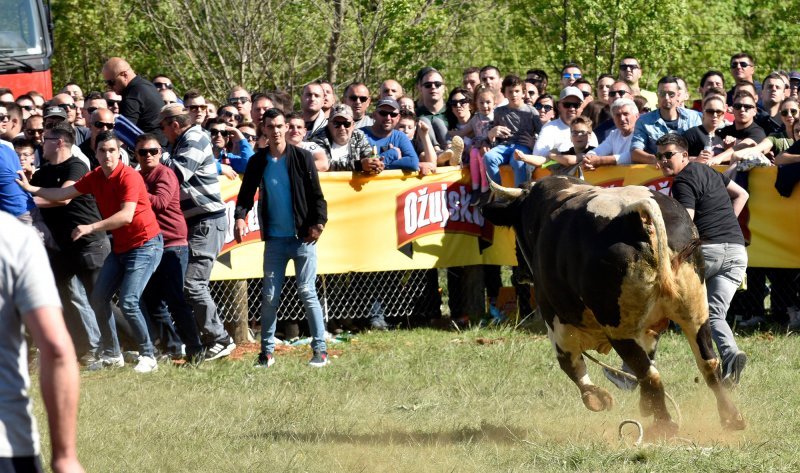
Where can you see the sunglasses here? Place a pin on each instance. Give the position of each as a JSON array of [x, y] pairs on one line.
[[112, 103], [743, 106], [230, 114], [457, 103], [716, 113], [791, 111], [195, 108], [742, 64], [568, 105], [218, 132], [109, 82], [617, 93], [108, 126], [145, 152], [3, 118], [580, 133], [546, 108], [432, 85], [235, 100], [358, 98], [34, 131], [27, 108], [386, 113], [68, 105], [667, 155], [624, 67], [585, 94], [575, 75], [340, 124], [249, 137], [163, 85]]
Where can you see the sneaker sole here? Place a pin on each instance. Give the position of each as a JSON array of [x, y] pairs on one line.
[[318, 365], [225, 352]]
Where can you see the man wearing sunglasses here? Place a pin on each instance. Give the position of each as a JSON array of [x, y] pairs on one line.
[[555, 136], [102, 119], [346, 148], [165, 288], [713, 202], [668, 117], [744, 132], [57, 116], [356, 96], [394, 148], [569, 74], [192, 159], [66, 102], [239, 97], [743, 68], [768, 115], [197, 107], [630, 71], [11, 125], [27, 105], [141, 102]]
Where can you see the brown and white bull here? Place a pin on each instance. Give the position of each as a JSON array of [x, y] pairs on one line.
[[610, 268]]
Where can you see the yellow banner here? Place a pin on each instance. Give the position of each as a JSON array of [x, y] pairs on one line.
[[392, 221], [398, 221]]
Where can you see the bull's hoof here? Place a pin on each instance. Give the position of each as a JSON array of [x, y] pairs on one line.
[[661, 430], [597, 399], [734, 422]]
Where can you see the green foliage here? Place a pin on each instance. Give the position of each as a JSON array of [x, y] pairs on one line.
[[284, 44]]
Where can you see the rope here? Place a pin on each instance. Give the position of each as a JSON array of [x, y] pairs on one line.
[[678, 413]]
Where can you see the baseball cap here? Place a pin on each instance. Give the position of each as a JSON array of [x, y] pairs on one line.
[[341, 110], [55, 111], [172, 110], [794, 75], [389, 102], [571, 92]]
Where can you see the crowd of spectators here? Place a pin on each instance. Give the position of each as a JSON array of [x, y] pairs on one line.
[[142, 162]]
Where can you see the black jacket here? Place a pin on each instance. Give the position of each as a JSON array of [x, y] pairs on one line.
[[141, 104], [308, 203]]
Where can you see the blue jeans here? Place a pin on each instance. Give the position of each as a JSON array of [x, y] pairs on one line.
[[128, 272], [165, 289], [725, 267], [504, 154], [206, 238], [277, 253]]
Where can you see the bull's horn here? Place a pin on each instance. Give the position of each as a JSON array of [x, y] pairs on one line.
[[510, 193]]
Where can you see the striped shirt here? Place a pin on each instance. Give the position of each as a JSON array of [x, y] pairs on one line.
[[192, 159]]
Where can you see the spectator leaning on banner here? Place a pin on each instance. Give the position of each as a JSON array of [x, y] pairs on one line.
[[293, 213]]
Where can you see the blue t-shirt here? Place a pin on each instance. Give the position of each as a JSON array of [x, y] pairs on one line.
[[278, 198], [13, 199], [409, 160]]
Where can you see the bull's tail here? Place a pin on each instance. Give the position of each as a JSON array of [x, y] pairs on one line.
[[653, 223]]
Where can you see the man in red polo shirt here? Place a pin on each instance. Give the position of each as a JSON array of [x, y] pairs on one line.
[[137, 245]]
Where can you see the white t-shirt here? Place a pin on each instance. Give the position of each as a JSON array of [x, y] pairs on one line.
[[615, 145], [26, 283], [339, 152], [555, 136]]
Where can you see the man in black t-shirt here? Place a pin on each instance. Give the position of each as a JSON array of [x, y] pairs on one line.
[[85, 256], [714, 202], [141, 102]]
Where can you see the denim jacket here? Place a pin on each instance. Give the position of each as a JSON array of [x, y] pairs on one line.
[[650, 127]]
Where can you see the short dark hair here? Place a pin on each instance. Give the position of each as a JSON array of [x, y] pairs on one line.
[[511, 81], [63, 131], [273, 113], [471, 70], [22, 142], [545, 96], [191, 94], [743, 55], [773, 75], [424, 72], [294, 116], [668, 80], [14, 110], [715, 91], [183, 120], [104, 136], [410, 115], [353, 84], [93, 95], [604, 76], [24, 97], [5, 90], [568, 65], [673, 139], [711, 73], [580, 81], [215, 121], [489, 67], [145, 137]]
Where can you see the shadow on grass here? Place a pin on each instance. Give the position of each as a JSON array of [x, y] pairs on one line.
[[498, 434]]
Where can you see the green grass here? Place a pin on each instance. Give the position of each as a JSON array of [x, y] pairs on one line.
[[424, 400]]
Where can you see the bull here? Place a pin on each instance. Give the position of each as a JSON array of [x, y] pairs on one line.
[[610, 267]]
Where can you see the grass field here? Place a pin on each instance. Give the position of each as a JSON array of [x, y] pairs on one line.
[[416, 401]]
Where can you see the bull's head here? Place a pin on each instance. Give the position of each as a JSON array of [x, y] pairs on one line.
[[505, 193]]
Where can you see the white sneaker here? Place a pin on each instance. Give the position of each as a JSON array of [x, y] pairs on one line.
[[220, 350], [146, 364], [106, 361]]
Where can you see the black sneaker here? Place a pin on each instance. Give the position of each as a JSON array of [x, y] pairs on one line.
[[220, 350], [319, 359], [197, 358], [733, 372], [265, 360]]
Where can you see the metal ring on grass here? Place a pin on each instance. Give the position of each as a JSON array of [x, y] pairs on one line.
[[638, 425]]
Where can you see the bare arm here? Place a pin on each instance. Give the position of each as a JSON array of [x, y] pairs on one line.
[[738, 195], [52, 194], [122, 217], [593, 161], [321, 160], [642, 157], [786, 158], [59, 384]]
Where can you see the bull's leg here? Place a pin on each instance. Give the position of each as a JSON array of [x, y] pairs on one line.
[[699, 337], [652, 399], [571, 361]]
